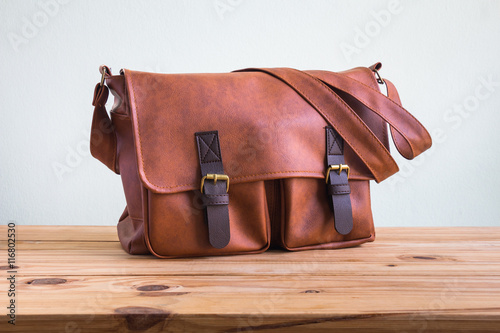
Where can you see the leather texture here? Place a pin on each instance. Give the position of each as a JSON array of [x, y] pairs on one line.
[[270, 126]]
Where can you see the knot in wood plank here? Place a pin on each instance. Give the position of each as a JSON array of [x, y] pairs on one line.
[[153, 287], [140, 318], [47, 281]]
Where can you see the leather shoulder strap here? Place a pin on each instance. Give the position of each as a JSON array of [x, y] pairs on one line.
[[341, 117], [102, 135], [409, 136]]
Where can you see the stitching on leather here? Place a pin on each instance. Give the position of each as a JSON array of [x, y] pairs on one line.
[[390, 100], [349, 108], [209, 146], [390, 87], [384, 129], [334, 191], [328, 140], [211, 162], [191, 184], [138, 127], [272, 173], [397, 142], [379, 113], [341, 192], [378, 92], [328, 90], [397, 128], [330, 143], [209, 149], [335, 141]]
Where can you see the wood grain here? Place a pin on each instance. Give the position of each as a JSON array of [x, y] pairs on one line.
[[78, 279]]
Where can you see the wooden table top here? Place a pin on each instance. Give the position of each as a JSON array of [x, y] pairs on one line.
[[78, 279]]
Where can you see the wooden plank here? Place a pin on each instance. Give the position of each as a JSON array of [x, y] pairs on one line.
[[228, 311], [267, 297], [326, 269], [78, 279], [436, 234], [129, 320], [374, 252], [63, 233], [383, 234], [262, 283], [97, 258], [237, 303]]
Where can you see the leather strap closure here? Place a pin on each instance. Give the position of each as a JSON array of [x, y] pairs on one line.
[[337, 182], [214, 188]]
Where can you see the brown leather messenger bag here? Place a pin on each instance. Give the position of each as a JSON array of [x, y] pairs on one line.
[[233, 163]]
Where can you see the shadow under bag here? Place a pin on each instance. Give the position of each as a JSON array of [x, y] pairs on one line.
[[233, 163]]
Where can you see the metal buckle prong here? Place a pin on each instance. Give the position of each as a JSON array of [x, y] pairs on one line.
[[380, 80], [214, 177], [104, 72], [102, 77], [339, 168]]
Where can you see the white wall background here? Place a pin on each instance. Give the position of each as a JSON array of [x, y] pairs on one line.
[[444, 57]]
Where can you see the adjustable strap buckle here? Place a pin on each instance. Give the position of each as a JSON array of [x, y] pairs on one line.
[[105, 70], [214, 177], [338, 189], [215, 196], [380, 80], [102, 77], [339, 168]]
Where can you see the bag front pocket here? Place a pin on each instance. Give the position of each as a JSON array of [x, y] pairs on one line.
[[176, 226], [308, 219]]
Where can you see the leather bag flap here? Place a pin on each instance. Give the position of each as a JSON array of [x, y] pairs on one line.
[[266, 130]]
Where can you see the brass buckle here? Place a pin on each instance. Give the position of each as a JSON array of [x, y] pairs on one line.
[[380, 80], [214, 177], [103, 75], [339, 168]]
